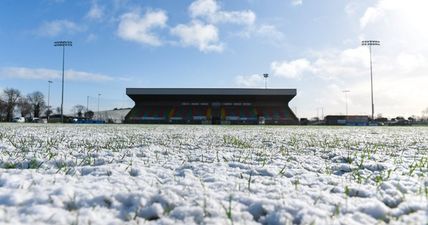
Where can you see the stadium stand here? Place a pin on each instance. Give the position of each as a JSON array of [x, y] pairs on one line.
[[211, 106]]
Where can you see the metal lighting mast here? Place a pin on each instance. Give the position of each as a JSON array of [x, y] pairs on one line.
[[63, 44], [49, 96], [346, 100], [265, 75], [322, 113], [99, 116], [87, 103], [370, 44]]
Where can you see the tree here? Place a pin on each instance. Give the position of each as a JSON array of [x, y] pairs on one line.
[[78, 110], [425, 113], [25, 107], [48, 112], [2, 110], [37, 101], [89, 114], [11, 97]]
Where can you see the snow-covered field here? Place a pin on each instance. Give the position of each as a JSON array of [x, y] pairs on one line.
[[125, 174]]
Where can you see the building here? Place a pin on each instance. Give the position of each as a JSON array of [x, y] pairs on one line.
[[112, 116], [351, 120], [211, 106]]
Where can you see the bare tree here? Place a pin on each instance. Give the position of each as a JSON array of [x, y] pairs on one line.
[[48, 112], [425, 114], [3, 106], [25, 107], [11, 97], [78, 110], [37, 101], [89, 114]]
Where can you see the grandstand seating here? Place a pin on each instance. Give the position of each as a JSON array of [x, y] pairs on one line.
[[239, 113], [189, 113], [202, 113], [211, 105]]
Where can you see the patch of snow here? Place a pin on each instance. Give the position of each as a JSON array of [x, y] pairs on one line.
[[150, 174]]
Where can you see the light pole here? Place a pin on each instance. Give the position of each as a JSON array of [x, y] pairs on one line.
[[87, 107], [87, 103], [49, 96], [63, 44], [346, 100], [265, 75], [322, 113], [318, 113], [99, 106], [370, 44]]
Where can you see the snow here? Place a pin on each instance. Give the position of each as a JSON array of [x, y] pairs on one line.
[[165, 174]]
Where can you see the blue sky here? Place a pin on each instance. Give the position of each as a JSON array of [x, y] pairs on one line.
[[310, 45]]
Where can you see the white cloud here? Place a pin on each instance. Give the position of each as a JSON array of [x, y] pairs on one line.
[[351, 8], [138, 28], [371, 15], [208, 15], [393, 95], [397, 17], [255, 80], [350, 63], [269, 33], [95, 12], [296, 2], [242, 17], [400, 64], [399, 80], [384, 7], [57, 1], [56, 27], [91, 37], [291, 69], [203, 36], [48, 74], [203, 8], [202, 32], [328, 64], [211, 11], [409, 63]]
